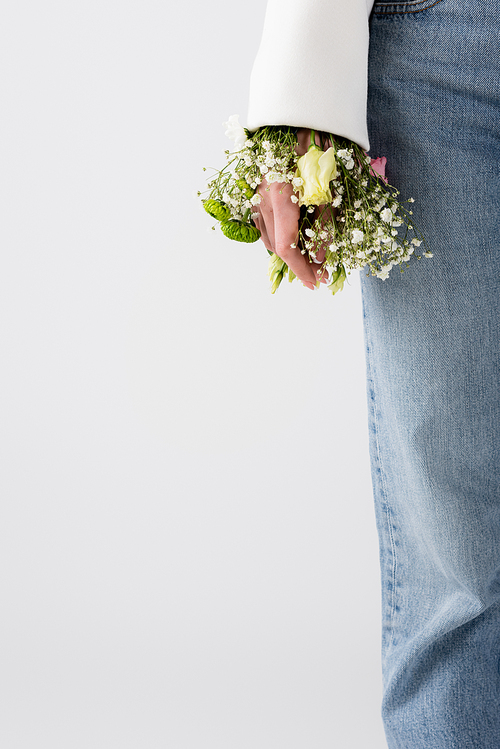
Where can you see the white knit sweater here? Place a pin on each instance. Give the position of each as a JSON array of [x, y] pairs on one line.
[[311, 68]]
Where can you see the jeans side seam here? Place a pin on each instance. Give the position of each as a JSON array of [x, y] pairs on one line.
[[382, 481]]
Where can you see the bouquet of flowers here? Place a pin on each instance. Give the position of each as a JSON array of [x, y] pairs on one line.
[[349, 215]]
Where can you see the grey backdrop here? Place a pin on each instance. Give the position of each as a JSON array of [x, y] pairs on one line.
[[188, 554]]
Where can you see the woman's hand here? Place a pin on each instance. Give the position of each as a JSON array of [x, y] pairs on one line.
[[278, 223]]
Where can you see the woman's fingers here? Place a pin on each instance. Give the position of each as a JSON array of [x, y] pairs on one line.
[[261, 226], [278, 223]]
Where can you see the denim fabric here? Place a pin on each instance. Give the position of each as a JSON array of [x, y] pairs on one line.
[[433, 363]]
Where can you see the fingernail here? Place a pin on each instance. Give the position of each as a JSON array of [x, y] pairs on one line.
[[309, 285]]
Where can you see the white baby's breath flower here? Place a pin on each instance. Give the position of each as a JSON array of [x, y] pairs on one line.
[[357, 236], [386, 215], [337, 201], [357, 204], [416, 242], [309, 233], [235, 132], [428, 254], [256, 199], [294, 199], [297, 181], [274, 177]]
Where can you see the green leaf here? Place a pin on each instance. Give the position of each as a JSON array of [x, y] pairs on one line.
[[338, 280], [277, 271]]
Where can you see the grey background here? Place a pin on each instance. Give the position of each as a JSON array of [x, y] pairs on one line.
[[188, 554]]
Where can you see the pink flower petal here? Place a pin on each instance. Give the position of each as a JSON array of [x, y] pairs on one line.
[[377, 167]]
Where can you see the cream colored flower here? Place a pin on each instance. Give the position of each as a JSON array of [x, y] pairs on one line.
[[316, 168]]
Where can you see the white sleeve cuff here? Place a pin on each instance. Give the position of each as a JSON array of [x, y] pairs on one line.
[[311, 68]]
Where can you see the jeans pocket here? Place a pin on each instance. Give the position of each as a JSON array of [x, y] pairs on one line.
[[381, 7]]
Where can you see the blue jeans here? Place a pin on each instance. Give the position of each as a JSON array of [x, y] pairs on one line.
[[433, 364]]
